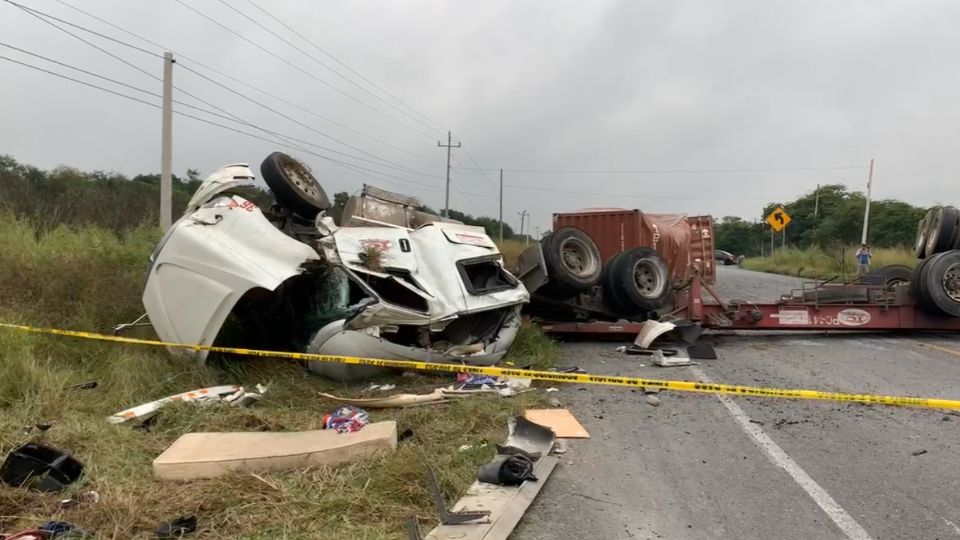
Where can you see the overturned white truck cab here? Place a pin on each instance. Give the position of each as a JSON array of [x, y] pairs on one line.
[[388, 282]]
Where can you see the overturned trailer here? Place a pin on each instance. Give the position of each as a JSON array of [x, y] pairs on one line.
[[926, 297], [388, 282]]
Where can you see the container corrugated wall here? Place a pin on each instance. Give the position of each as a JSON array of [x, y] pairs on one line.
[[617, 229]]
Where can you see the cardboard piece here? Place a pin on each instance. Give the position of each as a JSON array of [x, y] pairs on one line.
[[561, 421], [207, 455]]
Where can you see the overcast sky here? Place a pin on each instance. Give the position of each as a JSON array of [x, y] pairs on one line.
[[601, 85]]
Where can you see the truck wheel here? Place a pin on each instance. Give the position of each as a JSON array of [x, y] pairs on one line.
[[920, 243], [942, 281], [573, 262], [942, 226], [638, 281], [888, 276], [293, 185], [918, 289]]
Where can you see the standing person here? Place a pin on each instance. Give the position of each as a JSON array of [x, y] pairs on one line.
[[863, 259]]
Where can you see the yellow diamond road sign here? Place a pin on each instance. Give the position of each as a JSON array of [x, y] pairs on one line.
[[778, 219]]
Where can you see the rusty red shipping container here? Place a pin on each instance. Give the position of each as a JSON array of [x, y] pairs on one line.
[[684, 242]]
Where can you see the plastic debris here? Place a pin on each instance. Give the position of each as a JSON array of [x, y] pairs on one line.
[[177, 528], [347, 419], [235, 395]]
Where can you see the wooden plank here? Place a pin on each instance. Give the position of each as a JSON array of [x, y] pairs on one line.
[[506, 504], [561, 421], [206, 455]]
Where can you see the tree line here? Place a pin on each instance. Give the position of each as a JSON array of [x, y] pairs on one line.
[[836, 219], [68, 196]]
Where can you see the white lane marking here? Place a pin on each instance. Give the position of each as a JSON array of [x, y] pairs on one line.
[[952, 524], [778, 457]]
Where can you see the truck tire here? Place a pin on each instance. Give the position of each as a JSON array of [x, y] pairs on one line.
[[293, 185], [918, 289], [888, 276], [942, 227], [941, 278], [638, 281], [920, 243], [573, 262]]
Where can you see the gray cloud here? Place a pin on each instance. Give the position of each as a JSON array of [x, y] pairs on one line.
[[558, 85]]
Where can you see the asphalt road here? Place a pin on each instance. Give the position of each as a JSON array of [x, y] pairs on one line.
[[701, 467]]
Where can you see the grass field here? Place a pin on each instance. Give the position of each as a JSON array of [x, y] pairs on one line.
[[90, 279], [817, 263]]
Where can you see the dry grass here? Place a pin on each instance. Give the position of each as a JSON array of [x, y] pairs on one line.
[[511, 250], [89, 279], [820, 264]]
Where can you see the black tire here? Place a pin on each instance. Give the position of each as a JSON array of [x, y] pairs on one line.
[[941, 280], [573, 262], [610, 296], [920, 243], [293, 185], [888, 276], [942, 227], [638, 281], [917, 288]]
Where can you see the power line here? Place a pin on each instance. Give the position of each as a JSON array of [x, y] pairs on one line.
[[318, 61], [298, 68], [676, 171], [630, 195], [478, 168], [210, 122], [337, 60], [227, 114], [68, 23], [227, 76]]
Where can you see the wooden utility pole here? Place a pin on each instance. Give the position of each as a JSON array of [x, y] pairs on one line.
[[501, 207], [448, 146], [523, 217], [166, 145]]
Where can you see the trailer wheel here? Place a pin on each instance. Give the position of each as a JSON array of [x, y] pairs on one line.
[[638, 281], [293, 185], [573, 262], [888, 276], [918, 288], [942, 282], [920, 243], [942, 227]]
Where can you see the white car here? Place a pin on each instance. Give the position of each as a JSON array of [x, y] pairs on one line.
[[391, 282]]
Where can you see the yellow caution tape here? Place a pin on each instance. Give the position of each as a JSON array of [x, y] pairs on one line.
[[552, 376]]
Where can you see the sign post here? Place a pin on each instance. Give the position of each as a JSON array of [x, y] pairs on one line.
[[778, 221]]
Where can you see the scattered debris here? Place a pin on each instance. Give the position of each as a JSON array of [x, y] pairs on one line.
[[63, 530], [40, 467], [87, 497], [89, 385], [382, 387], [232, 394], [571, 369], [207, 455], [528, 438], [702, 351], [347, 419], [466, 447], [653, 400], [561, 447], [551, 389], [448, 517], [918, 452], [661, 360], [555, 403], [561, 421], [396, 400], [177, 528], [507, 470]]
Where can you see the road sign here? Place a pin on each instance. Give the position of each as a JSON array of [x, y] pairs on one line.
[[778, 219]]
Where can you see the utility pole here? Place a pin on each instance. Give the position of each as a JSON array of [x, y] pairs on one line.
[[166, 145], [772, 245], [501, 207], [448, 146], [816, 203], [537, 236], [866, 211], [523, 216]]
